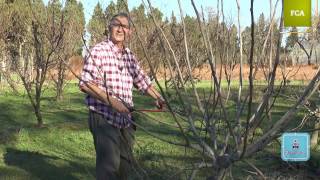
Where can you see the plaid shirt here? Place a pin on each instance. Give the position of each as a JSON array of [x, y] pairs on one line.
[[114, 71]]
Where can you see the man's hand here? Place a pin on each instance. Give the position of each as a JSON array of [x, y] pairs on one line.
[[160, 102], [119, 107]]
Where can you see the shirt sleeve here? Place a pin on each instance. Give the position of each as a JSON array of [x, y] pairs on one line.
[[141, 81], [90, 71]]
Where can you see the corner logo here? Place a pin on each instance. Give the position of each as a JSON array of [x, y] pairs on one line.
[[295, 144], [297, 13], [295, 147]]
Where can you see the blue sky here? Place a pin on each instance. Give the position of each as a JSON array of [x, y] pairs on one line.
[[230, 8], [167, 6]]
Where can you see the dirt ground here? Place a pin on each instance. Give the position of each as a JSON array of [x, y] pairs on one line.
[[75, 65], [302, 72]]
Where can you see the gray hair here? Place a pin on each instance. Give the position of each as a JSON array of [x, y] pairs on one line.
[[114, 18]]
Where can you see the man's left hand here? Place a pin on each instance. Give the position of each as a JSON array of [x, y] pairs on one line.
[[160, 102]]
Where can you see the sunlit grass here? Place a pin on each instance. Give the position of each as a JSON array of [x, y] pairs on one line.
[[63, 149]]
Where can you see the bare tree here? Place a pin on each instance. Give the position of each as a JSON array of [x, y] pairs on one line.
[[221, 140], [71, 45], [234, 142], [46, 41]]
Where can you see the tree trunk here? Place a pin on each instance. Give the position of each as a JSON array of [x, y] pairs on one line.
[[59, 93], [268, 110], [30, 69], [39, 117], [315, 135], [60, 81], [38, 89], [37, 107]]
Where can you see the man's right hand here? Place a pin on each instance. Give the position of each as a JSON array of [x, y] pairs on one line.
[[123, 109], [93, 90], [120, 107]]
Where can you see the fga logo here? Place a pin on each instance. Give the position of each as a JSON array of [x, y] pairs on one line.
[[297, 13], [295, 147]]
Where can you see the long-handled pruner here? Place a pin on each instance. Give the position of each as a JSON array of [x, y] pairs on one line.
[[143, 111], [148, 110]]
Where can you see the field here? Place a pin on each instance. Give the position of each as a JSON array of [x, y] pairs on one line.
[[63, 148]]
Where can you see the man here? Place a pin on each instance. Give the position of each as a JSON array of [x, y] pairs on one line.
[[109, 73]]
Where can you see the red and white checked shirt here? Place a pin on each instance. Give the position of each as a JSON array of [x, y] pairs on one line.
[[115, 72]]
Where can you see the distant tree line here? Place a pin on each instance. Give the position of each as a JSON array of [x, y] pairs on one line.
[[37, 40]]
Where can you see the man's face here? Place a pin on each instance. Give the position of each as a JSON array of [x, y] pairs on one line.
[[120, 30]]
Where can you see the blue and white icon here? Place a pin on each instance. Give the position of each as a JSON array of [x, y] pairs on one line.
[[295, 147]]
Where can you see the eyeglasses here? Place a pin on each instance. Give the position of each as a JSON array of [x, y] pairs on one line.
[[118, 25]]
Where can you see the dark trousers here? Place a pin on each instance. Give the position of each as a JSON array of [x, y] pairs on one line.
[[113, 148]]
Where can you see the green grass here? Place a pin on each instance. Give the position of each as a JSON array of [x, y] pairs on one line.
[[63, 149]]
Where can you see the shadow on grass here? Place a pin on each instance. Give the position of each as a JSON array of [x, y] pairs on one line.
[[43, 166], [168, 166], [12, 117]]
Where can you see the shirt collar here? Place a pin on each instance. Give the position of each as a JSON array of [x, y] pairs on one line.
[[115, 48]]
